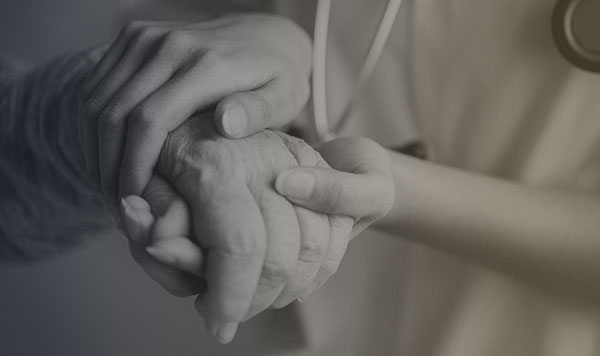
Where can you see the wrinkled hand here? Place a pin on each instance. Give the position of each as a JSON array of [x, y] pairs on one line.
[[361, 184], [156, 75], [260, 250]]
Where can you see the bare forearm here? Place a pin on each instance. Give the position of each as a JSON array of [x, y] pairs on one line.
[[47, 203], [546, 236]]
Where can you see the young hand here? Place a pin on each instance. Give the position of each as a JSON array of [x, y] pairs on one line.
[[361, 186], [156, 75]]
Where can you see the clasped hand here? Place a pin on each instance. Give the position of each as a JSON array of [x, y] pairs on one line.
[[219, 221], [242, 246]]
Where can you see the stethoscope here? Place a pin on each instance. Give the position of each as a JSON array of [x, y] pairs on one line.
[[575, 29]]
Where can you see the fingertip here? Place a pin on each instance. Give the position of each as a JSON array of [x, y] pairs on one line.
[[224, 333], [179, 252], [137, 218], [232, 121], [296, 184]]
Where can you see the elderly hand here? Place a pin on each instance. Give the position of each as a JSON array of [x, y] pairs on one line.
[[260, 250], [361, 186], [156, 75]]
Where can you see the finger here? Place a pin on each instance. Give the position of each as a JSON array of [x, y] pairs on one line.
[[186, 93], [171, 230], [283, 249], [180, 253], [340, 229], [111, 57], [139, 222], [177, 283], [113, 121], [334, 192], [171, 242], [90, 121], [233, 233], [129, 60], [117, 50], [314, 236], [275, 104], [138, 218]]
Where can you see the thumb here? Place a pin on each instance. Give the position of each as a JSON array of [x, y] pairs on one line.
[[334, 192], [273, 105]]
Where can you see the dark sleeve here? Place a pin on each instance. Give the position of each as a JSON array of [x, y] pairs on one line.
[[47, 203]]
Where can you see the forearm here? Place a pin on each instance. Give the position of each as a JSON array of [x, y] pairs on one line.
[[546, 236], [47, 203]]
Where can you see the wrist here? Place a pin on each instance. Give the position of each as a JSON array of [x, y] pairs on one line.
[[405, 213]]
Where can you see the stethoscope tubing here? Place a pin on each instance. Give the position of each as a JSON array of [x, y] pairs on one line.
[[562, 30], [323, 125]]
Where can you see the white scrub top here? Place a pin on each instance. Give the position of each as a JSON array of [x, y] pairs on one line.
[[483, 85]]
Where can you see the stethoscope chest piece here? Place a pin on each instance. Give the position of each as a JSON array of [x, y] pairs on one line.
[[576, 31]]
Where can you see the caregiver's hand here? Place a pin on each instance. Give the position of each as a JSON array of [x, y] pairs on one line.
[[156, 75], [260, 250], [361, 186]]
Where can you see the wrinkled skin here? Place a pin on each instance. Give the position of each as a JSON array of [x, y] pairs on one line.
[[253, 68], [260, 250]]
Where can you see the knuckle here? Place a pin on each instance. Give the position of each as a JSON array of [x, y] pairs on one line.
[[277, 271], [312, 249], [138, 37], [144, 118], [213, 60], [176, 40], [110, 119], [148, 32], [247, 246], [133, 27], [208, 174]]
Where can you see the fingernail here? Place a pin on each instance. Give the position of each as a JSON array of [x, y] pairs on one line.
[[301, 300], [138, 221], [235, 121], [296, 184], [226, 332], [161, 255], [130, 221], [181, 253]]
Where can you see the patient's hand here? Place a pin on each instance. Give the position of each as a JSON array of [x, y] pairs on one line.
[[260, 250]]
